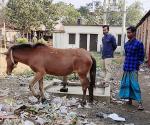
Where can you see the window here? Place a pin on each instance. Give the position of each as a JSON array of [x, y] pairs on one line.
[[93, 42], [119, 39], [72, 37]]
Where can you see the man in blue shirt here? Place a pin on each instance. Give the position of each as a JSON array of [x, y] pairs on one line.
[[108, 47], [134, 57]]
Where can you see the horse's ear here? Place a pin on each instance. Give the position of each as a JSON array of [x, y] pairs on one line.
[[4, 53]]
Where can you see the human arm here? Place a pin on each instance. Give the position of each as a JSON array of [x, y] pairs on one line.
[[141, 53], [114, 44]]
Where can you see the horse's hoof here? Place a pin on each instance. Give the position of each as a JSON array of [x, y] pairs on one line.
[[64, 89]]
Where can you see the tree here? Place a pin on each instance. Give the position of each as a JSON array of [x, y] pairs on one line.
[[29, 13], [2, 10], [84, 11], [134, 13], [48, 12], [95, 17], [115, 17], [67, 13]]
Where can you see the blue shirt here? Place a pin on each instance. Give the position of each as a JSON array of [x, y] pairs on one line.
[[134, 55], [109, 46]]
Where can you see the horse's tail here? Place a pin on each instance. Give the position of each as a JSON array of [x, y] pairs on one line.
[[92, 79]]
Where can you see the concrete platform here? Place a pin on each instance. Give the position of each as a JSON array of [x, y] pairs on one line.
[[100, 94]]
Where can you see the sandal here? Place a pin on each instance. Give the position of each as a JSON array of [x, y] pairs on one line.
[[140, 107]]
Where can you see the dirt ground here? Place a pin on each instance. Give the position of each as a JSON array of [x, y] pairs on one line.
[[130, 113]]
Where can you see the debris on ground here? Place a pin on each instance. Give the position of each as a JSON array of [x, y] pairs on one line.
[[129, 124], [58, 110], [141, 70], [101, 115], [113, 116], [33, 100]]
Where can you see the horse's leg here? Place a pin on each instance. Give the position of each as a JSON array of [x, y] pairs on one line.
[[37, 77], [64, 81], [75, 76], [41, 88], [64, 89], [85, 84]]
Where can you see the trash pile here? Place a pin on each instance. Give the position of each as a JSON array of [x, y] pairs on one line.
[[55, 111]]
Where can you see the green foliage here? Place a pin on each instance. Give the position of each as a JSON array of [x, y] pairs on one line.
[[34, 40], [94, 17], [27, 73], [66, 12], [134, 14], [29, 13], [50, 77], [22, 40], [97, 56], [42, 41], [115, 18]]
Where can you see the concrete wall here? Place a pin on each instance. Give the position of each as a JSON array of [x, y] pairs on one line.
[[61, 40]]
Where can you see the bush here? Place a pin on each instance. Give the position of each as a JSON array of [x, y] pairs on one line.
[[42, 41], [34, 40], [22, 40]]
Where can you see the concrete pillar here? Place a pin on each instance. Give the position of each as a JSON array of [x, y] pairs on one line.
[[66, 39], [54, 40], [99, 42], [77, 42], [88, 42]]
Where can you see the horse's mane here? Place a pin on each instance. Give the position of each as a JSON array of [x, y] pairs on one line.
[[26, 46]]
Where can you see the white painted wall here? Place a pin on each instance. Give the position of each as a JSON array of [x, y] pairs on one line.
[[61, 40], [10, 34]]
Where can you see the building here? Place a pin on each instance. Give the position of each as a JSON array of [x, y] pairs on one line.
[[88, 37], [143, 33], [10, 33]]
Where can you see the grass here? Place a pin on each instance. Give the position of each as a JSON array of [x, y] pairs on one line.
[[116, 60], [98, 58], [26, 72]]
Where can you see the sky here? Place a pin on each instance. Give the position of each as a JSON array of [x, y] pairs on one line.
[[78, 3]]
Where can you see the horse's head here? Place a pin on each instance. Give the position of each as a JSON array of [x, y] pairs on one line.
[[11, 64]]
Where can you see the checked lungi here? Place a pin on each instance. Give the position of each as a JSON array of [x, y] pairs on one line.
[[130, 88]]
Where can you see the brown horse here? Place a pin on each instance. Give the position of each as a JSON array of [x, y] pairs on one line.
[[60, 62]]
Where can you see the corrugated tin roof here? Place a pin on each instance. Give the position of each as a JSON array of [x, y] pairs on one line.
[[143, 19]]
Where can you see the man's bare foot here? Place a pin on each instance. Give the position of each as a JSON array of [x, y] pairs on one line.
[[129, 102]]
